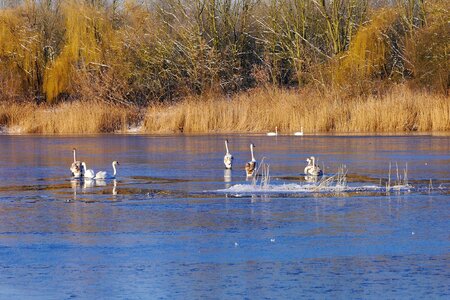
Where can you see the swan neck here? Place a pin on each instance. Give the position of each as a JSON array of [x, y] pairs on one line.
[[114, 168], [251, 150], [226, 146], [74, 155]]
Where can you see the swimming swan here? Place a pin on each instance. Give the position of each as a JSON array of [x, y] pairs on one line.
[[105, 175], [312, 168], [299, 133], [251, 165], [273, 133], [76, 168], [88, 173], [308, 166], [228, 158]]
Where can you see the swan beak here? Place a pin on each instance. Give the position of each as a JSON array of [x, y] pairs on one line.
[[118, 163]]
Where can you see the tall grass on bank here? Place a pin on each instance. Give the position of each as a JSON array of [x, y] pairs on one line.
[[77, 117], [401, 110]]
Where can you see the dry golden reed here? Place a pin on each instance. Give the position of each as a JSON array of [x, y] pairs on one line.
[[256, 111], [77, 117], [401, 110]]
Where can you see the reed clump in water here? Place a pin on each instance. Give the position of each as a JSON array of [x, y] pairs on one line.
[[400, 110], [73, 117]]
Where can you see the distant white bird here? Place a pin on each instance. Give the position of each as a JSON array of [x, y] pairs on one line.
[[299, 133], [76, 168], [273, 133], [312, 168], [88, 173], [250, 167], [228, 158], [106, 175]]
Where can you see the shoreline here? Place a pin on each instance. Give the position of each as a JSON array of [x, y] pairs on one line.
[[5, 132]]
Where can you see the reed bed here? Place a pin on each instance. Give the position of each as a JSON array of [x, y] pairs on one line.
[[401, 110], [256, 111], [66, 118]]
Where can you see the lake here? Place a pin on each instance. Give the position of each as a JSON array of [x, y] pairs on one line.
[[175, 225]]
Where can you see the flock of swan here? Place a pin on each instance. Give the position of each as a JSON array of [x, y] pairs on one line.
[[311, 168], [79, 169]]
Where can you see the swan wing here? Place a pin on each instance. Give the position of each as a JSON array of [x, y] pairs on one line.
[[307, 169], [250, 167], [101, 175], [89, 173], [228, 160], [75, 167]]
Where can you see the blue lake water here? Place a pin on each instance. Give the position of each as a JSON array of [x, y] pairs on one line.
[[175, 225]]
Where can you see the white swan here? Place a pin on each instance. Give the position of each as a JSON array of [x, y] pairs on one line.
[[228, 158], [250, 167], [88, 173], [299, 133], [105, 175], [308, 166], [313, 168], [76, 168], [273, 133]]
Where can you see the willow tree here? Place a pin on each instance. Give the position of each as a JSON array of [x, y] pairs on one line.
[[368, 54], [89, 43], [427, 50], [21, 56]]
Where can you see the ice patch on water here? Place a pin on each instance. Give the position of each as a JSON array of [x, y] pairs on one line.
[[308, 188]]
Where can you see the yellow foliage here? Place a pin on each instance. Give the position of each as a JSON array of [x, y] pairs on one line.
[[367, 52], [19, 48], [88, 37], [427, 51]]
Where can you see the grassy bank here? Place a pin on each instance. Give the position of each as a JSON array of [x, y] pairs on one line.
[[401, 110]]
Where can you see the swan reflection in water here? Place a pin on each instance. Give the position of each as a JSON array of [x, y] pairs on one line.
[[102, 182], [227, 178], [83, 184], [88, 183]]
